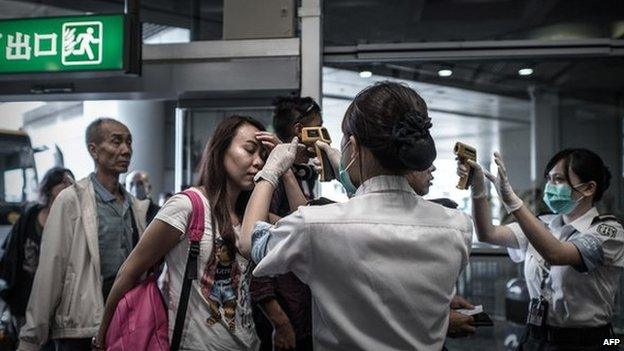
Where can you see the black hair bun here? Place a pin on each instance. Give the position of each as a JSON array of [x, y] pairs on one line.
[[413, 142]]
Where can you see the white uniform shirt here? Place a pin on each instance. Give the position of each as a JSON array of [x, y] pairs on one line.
[[577, 296], [381, 267], [197, 334]]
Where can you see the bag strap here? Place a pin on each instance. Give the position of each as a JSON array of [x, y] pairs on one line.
[[195, 233], [135, 230]]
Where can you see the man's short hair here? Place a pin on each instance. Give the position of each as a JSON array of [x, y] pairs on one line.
[[93, 133], [290, 110]]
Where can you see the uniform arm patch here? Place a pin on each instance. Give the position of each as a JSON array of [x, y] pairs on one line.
[[590, 248], [607, 230]]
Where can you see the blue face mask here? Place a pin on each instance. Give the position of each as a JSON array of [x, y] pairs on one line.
[[343, 176], [559, 198]]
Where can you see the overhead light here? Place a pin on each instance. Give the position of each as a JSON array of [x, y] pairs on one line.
[[445, 73], [525, 71], [366, 74]]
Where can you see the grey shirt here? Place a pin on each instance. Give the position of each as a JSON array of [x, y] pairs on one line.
[[114, 228]]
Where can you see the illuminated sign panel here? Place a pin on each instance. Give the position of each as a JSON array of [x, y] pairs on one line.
[[63, 44]]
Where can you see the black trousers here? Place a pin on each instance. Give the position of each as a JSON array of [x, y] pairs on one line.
[[68, 345], [566, 339]]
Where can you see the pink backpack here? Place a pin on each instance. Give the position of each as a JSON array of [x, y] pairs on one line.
[[140, 320]]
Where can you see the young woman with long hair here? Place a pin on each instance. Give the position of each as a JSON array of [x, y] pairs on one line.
[[219, 313]]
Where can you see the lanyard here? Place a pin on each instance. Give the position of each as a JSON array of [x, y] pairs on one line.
[[543, 270], [544, 267]]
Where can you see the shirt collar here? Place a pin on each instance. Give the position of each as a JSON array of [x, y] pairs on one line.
[[583, 223], [580, 224], [104, 194], [384, 183]]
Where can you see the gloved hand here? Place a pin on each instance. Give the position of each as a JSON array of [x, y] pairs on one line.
[[279, 161], [332, 154], [510, 200], [477, 185]]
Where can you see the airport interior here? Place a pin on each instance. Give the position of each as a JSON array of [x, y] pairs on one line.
[[526, 78]]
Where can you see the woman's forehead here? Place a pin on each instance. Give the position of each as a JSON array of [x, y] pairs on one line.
[[246, 132], [558, 168]]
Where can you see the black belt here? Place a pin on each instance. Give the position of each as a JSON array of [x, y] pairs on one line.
[[588, 336]]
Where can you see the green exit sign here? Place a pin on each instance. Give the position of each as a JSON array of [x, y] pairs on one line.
[[63, 44]]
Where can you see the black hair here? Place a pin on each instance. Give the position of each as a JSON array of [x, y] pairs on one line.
[[214, 180], [93, 134], [290, 110], [586, 164], [391, 120], [53, 177]]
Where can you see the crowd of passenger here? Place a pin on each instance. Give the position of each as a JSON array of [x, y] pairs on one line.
[[278, 268]]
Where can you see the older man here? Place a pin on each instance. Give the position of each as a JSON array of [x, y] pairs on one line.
[[91, 229]]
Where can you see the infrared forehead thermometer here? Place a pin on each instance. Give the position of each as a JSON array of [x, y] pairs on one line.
[[464, 153], [309, 136]]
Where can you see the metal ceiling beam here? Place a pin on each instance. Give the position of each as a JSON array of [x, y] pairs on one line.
[[473, 50], [221, 49]]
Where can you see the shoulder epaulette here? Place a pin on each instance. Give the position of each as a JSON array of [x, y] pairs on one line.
[[606, 218]]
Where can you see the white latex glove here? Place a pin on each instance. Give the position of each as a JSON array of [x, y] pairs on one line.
[[280, 160], [510, 200], [332, 154], [477, 183]]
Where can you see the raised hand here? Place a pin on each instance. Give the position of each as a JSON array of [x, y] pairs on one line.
[[508, 197], [268, 140], [477, 183], [279, 161], [332, 154]]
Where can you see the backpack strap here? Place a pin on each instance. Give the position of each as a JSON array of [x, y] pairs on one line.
[[195, 232]]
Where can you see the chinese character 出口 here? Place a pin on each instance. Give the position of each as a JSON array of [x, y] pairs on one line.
[[51, 38], [18, 47]]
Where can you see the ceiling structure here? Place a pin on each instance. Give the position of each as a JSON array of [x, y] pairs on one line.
[[478, 100], [357, 22], [452, 23], [348, 22]]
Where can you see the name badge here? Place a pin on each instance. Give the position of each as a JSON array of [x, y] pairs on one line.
[[537, 312]]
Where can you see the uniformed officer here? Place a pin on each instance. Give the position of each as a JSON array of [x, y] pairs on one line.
[[382, 266], [572, 259]]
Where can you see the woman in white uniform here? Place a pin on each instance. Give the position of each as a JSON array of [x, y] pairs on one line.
[[572, 259], [382, 266]]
